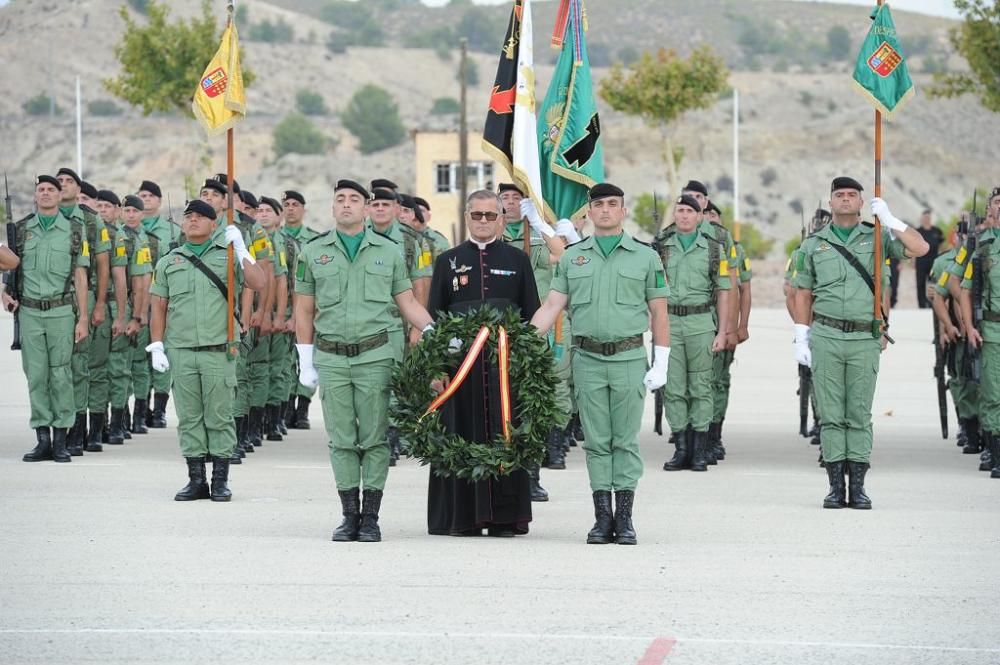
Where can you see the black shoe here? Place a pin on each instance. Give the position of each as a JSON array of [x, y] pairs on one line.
[[554, 447], [577, 428], [699, 461], [42, 452], [116, 428], [94, 433], [538, 493], [220, 479], [273, 418], [368, 531], [197, 487], [837, 498], [681, 459], [500, 532], [302, 414], [159, 419], [392, 438], [77, 435], [350, 503], [604, 526], [59, 452], [255, 424], [139, 417], [624, 531], [856, 488], [974, 443]]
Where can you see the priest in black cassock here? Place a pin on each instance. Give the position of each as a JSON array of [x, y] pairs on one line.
[[481, 271]]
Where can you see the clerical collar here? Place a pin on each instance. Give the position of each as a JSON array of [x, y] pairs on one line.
[[483, 245]]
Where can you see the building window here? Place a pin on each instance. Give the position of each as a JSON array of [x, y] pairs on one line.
[[478, 175], [443, 178]]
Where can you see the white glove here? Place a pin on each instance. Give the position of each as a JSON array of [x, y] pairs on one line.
[[881, 210], [308, 376], [530, 213], [656, 377], [803, 355], [454, 345], [235, 238], [157, 357], [566, 229]]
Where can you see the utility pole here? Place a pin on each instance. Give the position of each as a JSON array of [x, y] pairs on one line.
[[463, 139]]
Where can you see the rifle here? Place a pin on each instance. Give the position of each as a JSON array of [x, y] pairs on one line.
[[12, 277], [805, 386], [657, 394], [940, 360], [974, 355]]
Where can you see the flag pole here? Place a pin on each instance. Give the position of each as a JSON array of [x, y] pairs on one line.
[[878, 225], [230, 267]]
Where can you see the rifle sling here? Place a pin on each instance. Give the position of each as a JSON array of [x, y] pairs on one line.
[[212, 277], [865, 275]]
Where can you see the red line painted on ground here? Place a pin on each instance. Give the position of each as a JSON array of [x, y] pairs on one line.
[[658, 651]]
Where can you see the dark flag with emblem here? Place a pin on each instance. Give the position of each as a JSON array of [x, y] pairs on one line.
[[569, 129]]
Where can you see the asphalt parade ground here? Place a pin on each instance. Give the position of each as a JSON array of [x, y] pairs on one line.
[[98, 564]]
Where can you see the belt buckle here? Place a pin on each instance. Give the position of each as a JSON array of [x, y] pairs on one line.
[[351, 350], [608, 348], [683, 310], [44, 305]]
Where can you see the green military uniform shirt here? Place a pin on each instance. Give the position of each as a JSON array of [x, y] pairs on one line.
[[438, 240], [989, 263], [47, 265], [941, 270], [414, 249], [98, 238], [138, 255], [162, 236], [541, 262], [608, 296], [279, 256], [744, 272], [694, 277]]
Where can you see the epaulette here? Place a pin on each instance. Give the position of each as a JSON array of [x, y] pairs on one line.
[[647, 244], [868, 224], [84, 207], [576, 243], [25, 218], [986, 241], [378, 233], [716, 224], [712, 238], [321, 235]]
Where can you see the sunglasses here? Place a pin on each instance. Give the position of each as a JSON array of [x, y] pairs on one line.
[[488, 216]]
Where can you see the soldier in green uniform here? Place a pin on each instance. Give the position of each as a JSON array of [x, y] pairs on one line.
[[698, 274], [345, 280], [279, 342], [189, 334], [441, 243], [297, 234], [834, 330], [52, 297], [163, 236], [132, 270], [614, 287]]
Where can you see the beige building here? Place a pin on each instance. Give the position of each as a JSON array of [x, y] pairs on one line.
[[438, 175]]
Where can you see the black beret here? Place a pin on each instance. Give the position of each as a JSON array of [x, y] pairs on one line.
[[48, 179], [843, 182], [690, 201], [151, 187], [419, 214], [711, 207], [350, 184], [421, 202], [133, 201], [71, 173], [382, 183], [382, 194], [108, 196], [695, 186], [88, 190], [407, 201], [201, 208], [604, 190], [509, 187], [217, 185], [224, 179], [268, 201], [249, 199], [292, 194]]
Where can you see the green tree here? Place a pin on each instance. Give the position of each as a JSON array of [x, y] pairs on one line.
[[792, 244], [103, 107], [162, 62], [977, 39], [310, 103], [839, 43], [140, 6], [662, 88], [296, 134], [278, 32], [41, 104], [753, 241], [642, 213], [445, 106], [373, 117], [484, 28]]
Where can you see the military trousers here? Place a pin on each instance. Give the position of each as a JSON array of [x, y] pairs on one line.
[[259, 371], [688, 397], [100, 350], [142, 379], [989, 388], [244, 389], [46, 358], [610, 395], [964, 392], [722, 364], [80, 363], [844, 374], [204, 385], [355, 398], [120, 364], [562, 348], [278, 367]]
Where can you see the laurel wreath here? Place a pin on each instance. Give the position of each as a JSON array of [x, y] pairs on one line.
[[532, 380]]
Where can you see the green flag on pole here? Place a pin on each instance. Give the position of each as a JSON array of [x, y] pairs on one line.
[[569, 129], [880, 74]]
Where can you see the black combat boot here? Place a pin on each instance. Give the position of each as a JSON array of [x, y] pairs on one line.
[[220, 479], [698, 444], [59, 452], [995, 447], [149, 411], [369, 532], [681, 459], [106, 430], [974, 443], [255, 425], [159, 419], [538, 493], [577, 427], [392, 438], [236, 457], [77, 435], [94, 433], [139, 413], [555, 450], [962, 437], [289, 419], [302, 413], [127, 422], [710, 458], [718, 450], [273, 422], [116, 430], [816, 437], [837, 498], [42, 452], [197, 487], [604, 526], [989, 444], [624, 531], [350, 501], [856, 496]]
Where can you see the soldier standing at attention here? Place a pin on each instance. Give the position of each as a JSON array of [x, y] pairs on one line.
[[52, 298], [614, 286], [441, 243], [189, 334], [279, 344], [834, 330]]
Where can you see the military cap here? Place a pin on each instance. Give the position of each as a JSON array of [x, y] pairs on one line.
[[711, 207], [407, 201], [151, 187], [695, 186], [295, 196], [71, 173], [604, 190], [217, 185], [843, 182], [108, 196], [383, 183], [224, 179], [199, 207], [249, 199], [509, 187], [88, 190], [382, 194], [689, 201], [133, 201], [422, 202], [350, 184], [48, 179], [268, 201]]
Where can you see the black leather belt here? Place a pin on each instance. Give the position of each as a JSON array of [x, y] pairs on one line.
[[608, 348], [46, 305], [844, 326], [992, 317], [352, 350], [210, 347], [688, 310]]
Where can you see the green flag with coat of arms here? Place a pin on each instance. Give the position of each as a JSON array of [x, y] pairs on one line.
[[880, 73]]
